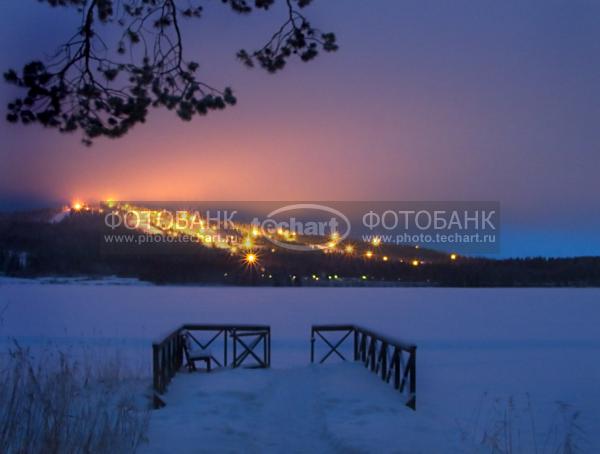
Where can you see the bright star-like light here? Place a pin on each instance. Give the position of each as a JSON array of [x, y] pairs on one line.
[[251, 259]]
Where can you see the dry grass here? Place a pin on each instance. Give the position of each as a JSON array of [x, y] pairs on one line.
[[508, 426], [57, 405]]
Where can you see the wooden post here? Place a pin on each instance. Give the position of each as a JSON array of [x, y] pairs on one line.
[[384, 350], [172, 356], [363, 347], [412, 403], [234, 338], [264, 339], [397, 363], [169, 360], [180, 352], [163, 377], [372, 353], [269, 353], [156, 368], [225, 348], [312, 345]]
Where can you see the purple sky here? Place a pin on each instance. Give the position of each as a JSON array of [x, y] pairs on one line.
[[426, 100]]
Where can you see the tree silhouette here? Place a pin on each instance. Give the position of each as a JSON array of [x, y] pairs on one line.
[[105, 90]]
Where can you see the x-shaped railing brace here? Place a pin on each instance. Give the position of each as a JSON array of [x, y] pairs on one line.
[[249, 349], [333, 348]]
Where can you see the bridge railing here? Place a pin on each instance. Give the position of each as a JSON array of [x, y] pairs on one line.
[[244, 340], [393, 360]]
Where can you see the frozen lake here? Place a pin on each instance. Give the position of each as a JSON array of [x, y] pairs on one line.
[[474, 345]]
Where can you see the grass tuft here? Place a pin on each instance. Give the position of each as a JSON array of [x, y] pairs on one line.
[[55, 405], [509, 426]]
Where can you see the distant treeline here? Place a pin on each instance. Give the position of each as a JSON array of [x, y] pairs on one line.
[[76, 247]]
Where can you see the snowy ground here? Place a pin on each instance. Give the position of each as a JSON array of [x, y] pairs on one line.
[[307, 409], [475, 346]]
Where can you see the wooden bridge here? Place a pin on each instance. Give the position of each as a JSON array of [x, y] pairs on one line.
[[251, 347]]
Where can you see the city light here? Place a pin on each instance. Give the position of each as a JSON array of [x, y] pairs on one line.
[[248, 240], [77, 206], [251, 259], [453, 256]]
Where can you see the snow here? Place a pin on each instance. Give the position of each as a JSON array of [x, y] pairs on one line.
[[60, 216], [474, 346], [80, 280], [329, 408]]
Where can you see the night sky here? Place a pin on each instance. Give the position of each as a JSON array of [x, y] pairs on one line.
[[425, 100]]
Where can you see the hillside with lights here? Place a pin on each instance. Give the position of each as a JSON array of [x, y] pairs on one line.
[[75, 241]]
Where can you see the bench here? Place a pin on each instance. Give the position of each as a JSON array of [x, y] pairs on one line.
[[193, 354]]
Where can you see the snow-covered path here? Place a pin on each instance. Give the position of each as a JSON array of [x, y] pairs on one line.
[[316, 409], [292, 411]]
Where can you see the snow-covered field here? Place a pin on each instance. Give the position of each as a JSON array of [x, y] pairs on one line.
[[485, 357]]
